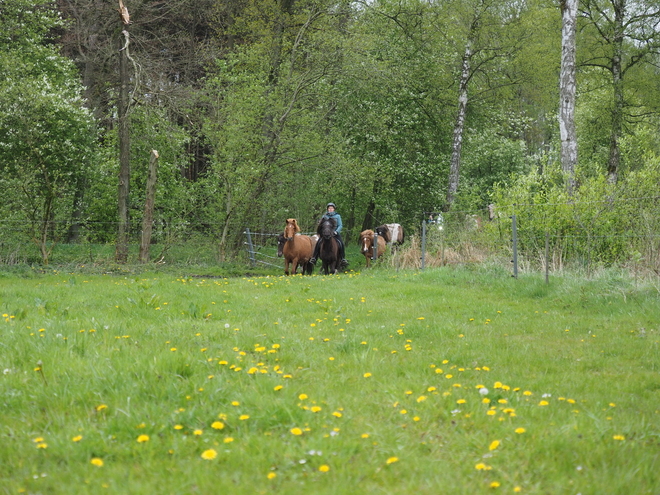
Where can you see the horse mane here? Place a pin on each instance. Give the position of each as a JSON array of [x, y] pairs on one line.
[[367, 233], [332, 221], [294, 222]]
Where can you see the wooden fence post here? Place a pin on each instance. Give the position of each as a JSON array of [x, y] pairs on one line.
[[148, 219]]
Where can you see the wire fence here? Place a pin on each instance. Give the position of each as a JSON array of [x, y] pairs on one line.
[[548, 237]]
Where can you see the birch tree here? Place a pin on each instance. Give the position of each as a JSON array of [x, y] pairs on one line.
[[567, 91], [620, 34], [486, 50]]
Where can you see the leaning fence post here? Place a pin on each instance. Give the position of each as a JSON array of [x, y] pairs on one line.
[[250, 247], [423, 242], [515, 245]]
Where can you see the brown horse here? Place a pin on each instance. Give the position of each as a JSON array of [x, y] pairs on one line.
[[367, 245], [297, 249]]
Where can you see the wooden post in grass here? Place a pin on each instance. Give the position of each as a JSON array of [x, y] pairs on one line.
[[547, 262], [423, 242], [514, 241], [148, 219]]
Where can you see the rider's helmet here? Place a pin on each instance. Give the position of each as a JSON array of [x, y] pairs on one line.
[[331, 204]]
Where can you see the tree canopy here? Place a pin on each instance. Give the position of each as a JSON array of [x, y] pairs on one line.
[[263, 110]]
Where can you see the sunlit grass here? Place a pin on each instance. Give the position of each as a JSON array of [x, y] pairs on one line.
[[443, 381]]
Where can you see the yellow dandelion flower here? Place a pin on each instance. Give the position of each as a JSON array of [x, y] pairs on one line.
[[302, 396], [421, 398], [178, 427], [243, 417], [278, 387], [77, 438], [96, 462], [228, 440], [482, 467], [197, 432], [337, 414], [367, 375], [235, 403], [543, 403], [143, 438], [271, 475], [42, 445], [364, 435], [101, 407], [324, 468], [296, 431], [494, 444], [491, 412], [527, 392], [315, 409], [495, 484], [461, 401], [619, 437], [520, 431], [217, 425], [392, 460], [209, 454]]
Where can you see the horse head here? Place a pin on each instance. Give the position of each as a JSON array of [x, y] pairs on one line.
[[291, 228], [280, 245], [366, 241], [326, 228]]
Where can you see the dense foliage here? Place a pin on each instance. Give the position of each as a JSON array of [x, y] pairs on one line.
[[264, 110]]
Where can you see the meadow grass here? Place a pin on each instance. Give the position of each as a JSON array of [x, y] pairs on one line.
[[451, 380]]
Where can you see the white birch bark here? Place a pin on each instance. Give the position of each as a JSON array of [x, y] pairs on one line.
[[457, 142], [567, 91]]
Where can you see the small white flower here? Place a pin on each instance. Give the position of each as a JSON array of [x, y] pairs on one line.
[[483, 391], [226, 325]]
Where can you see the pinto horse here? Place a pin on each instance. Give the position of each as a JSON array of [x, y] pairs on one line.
[[328, 246], [367, 245], [297, 249]]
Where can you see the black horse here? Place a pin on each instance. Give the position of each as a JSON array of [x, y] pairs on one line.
[[328, 246]]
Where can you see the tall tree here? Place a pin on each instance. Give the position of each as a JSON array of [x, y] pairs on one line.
[[46, 134], [121, 251], [486, 45], [620, 34], [567, 92]]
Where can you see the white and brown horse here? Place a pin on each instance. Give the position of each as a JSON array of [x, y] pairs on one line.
[[392, 233], [296, 248], [367, 245]]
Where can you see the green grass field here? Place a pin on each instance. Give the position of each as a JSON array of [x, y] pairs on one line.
[[451, 380]]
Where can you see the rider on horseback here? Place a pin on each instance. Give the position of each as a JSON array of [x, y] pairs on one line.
[[331, 213]]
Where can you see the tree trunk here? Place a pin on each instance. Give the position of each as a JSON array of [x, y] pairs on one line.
[[457, 142], [567, 91], [148, 219], [614, 161], [121, 252]]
